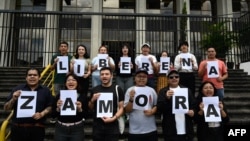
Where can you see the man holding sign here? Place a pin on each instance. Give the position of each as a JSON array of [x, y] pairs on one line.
[[140, 104], [60, 62], [176, 103], [31, 103], [211, 114], [214, 70], [105, 101]]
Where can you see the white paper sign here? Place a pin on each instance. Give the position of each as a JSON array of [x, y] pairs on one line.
[[211, 109], [212, 69], [164, 64], [69, 98], [180, 101], [145, 63], [62, 64], [186, 62], [26, 104], [105, 105], [102, 61], [125, 65], [142, 99], [79, 67]]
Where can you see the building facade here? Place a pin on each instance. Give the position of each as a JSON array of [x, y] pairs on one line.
[[91, 27]]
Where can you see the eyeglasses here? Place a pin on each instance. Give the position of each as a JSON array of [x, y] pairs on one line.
[[172, 77]]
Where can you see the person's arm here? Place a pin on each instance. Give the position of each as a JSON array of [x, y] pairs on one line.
[[93, 100], [9, 105], [46, 111], [129, 106], [224, 76], [93, 64], [202, 69], [89, 69], [194, 62], [88, 73], [129, 99], [154, 64], [54, 61], [71, 69], [111, 63], [120, 111]]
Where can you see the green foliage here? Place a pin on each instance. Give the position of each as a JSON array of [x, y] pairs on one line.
[[183, 23], [218, 36]]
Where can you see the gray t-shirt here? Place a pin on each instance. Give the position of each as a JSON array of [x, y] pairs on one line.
[[139, 123]]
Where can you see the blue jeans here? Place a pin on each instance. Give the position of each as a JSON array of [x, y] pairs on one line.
[[124, 82], [96, 80], [220, 93], [69, 133]]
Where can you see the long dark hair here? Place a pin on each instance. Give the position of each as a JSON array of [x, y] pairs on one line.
[[200, 95], [129, 50], [86, 55], [77, 80]]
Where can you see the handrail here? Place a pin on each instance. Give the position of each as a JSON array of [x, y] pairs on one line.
[[45, 70], [3, 135], [49, 78]]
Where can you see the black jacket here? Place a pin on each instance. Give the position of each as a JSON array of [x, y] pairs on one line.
[[164, 107]]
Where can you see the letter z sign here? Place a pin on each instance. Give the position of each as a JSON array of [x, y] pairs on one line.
[[26, 104]]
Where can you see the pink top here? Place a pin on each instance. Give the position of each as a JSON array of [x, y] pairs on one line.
[[222, 70]]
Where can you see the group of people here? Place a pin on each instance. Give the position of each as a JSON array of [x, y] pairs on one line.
[[135, 94]]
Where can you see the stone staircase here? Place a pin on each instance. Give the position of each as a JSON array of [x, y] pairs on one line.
[[237, 97]]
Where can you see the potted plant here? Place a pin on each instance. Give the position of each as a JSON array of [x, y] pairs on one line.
[[220, 37]]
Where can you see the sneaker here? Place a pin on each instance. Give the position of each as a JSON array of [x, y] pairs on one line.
[[53, 120]]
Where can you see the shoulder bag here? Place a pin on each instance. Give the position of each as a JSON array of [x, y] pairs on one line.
[[121, 122]]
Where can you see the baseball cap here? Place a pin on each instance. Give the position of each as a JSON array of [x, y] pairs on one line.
[[146, 44], [141, 70], [171, 71]]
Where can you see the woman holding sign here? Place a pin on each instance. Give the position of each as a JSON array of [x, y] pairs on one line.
[[101, 60], [164, 65], [81, 66], [211, 127], [186, 64], [70, 108], [125, 68]]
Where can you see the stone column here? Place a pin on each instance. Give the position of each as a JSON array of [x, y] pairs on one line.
[[5, 25], [224, 8], [96, 28], [51, 31], [140, 25], [179, 7]]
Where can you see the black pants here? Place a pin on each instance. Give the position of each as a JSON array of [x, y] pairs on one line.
[[33, 133], [84, 85], [188, 79], [143, 137]]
